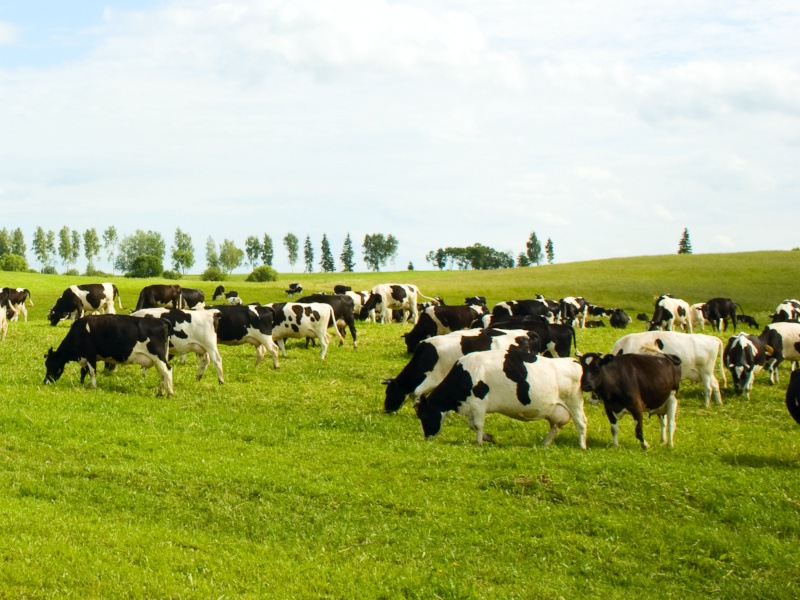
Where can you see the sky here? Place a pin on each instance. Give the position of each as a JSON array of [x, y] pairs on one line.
[[606, 127]]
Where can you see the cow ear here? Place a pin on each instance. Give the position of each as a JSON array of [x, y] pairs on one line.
[[607, 359], [587, 360]]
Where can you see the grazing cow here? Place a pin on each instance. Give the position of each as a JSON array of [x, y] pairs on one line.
[[744, 356], [642, 317], [159, 294], [435, 356], [438, 320], [698, 354], [394, 296], [295, 320], [246, 325], [670, 311], [718, 310], [342, 289], [476, 301], [115, 339], [192, 299], [782, 342], [518, 384], [619, 319], [294, 288], [88, 297], [14, 299], [788, 310], [231, 297], [191, 331], [343, 309], [793, 396], [556, 340], [573, 310], [748, 320], [538, 308], [635, 384]]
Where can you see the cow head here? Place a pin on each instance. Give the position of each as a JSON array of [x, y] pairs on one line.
[[394, 396], [429, 416], [592, 363], [57, 315], [53, 365]]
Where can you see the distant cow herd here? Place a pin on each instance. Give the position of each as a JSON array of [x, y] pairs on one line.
[[515, 359]]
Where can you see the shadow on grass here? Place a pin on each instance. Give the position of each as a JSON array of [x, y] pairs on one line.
[[761, 462]]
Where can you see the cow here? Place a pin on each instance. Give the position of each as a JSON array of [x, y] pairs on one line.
[[782, 342], [476, 301], [744, 356], [435, 301], [359, 298], [295, 320], [538, 308], [718, 311], [14, 299], [698, 353], [593, 324], [231, 297], [619, 319], [748, 320], [642, 317], [159, 294], [573, 310], [343, 309], [342, 289], [670, 311], [115, 339], [294, 288], [697, 316], [191, 331], [88, 297], [246, 325], [635, 384], [394, 296], [556, 340], [438, 320], [793, 396], [434, 357], [513, 382], [192, 299], [788, 310]]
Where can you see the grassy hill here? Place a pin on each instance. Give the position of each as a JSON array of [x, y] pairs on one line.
[[293, 483]]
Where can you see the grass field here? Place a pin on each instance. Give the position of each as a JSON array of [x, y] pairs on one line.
[[292, 483]]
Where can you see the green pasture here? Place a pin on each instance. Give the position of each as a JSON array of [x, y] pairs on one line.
[[292, 483]]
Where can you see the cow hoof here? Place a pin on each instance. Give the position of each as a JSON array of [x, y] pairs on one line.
[[488, 437]]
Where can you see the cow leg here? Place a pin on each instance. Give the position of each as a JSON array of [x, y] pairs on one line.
[[613, 419], [579, 418], [269, 347], [323, 342], [202, 363], [91, 367], [551, 435], [476, 421], [282, 345], [214, 357], [352, 327], [672, 411], [165, 378], [638, 416]]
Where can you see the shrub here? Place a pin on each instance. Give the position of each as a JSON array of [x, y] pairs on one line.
[[146, 265], [92, 272], [171, 275], [213, 274], [72, 272], [13, 262], [49, 270], [263, 273]]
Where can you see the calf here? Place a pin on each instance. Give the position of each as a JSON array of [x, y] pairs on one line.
[[788, 310], [782, 342], [793, 396], [88, 297], [635, 384], [748, 320], [193, 299], [115, 339], [698, 354], [159, 294], [670, 311], [343, 311], [744, 356], [191, 331], [295, 320], [438, 320], [246, 325], [434, 357], [14, 299], [619, 319], [515, 383]]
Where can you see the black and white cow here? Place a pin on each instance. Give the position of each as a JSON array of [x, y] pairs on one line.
[[556, 340], [295, 320], [394, 296], [744, 356], [14, 299], [793, 395], [159, 294], [114, 339], [788, 310], [246, 325], [294, 288], [343, 310], [518, 384], [538, 308], [476, 301], [718, 311], [88, 297], [438, 320], [782, 342], [434, 357], [231, 297], [635, 384], [192, 299], [669, 312], [572, 311], [619, 319], [191, 331], [359, 298]]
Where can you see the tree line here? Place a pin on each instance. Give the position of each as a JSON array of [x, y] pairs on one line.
[[480, 257]]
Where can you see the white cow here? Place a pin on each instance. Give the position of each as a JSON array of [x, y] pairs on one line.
[[698, 353], [696, 316], [303, 320]]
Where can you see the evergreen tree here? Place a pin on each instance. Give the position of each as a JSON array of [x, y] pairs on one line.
[[685, 244], [267, 250], [18, 246], [182, 251], [308, 255], [326, 262], [522, 260], [292, 245], [549, 251], [347, 256], [252, 247], [533, 249]]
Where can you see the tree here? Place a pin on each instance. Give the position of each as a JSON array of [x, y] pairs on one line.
[[347, 256], [18, 246], [40, 248], [182, 251], [212, 258], [141, 254], [522, 260], [326, 262], [110, 243], [252, 247], [91, 247], [437, 258], [75, 246], [230, 257], [533, 249], [292, 245], [308, 255], [549, 251], [685, 244], [5, 241], [378, 250], [65, 245], [267, 250]]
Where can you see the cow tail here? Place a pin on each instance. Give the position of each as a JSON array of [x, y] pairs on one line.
[[741, 310], [30, 299], [335, 326], [722, 365]]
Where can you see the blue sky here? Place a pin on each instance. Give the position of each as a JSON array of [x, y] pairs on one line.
[[608, 128]]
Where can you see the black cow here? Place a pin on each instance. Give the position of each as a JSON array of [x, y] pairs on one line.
[[247, 325], [642, 317], [115, 339], [159, 294], [88, 297], [744, 355], [748, 320], [718, 310], [793, 396], [342, 289], [635, 383], [14, 300], [343, 310], [619, 319], [192, 298], [438, 320], [556, 340]]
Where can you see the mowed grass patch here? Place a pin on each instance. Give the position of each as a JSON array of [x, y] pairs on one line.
[[293, 483]]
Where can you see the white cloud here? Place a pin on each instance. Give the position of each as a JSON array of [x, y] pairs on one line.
[[724, 240], [8, 34], [663, 213]]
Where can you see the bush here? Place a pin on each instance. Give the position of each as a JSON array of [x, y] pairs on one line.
[[146, 265], [213, 274], [263, 273], [171, 275], [13, 262], [92, 272], [49, 270]]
